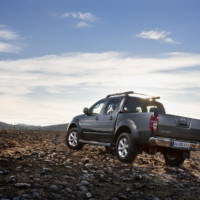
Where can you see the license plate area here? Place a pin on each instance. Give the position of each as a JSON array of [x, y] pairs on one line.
[[182, 145]]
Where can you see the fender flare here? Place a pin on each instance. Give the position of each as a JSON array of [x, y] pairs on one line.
[[72, 124], [129, 124]]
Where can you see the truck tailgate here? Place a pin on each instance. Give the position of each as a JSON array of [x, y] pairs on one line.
[[178, 127]]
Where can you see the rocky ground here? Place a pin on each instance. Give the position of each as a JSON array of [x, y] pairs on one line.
[[38, 165]]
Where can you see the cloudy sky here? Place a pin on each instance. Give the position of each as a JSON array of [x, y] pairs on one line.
[[57, 57]]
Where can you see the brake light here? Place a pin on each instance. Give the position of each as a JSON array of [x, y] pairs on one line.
[[154, 123]]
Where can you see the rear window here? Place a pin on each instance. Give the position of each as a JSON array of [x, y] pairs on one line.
[[136, 105]]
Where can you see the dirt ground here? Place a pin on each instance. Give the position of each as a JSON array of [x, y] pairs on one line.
[[38, 165]]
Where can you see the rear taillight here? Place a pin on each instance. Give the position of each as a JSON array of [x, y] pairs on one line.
[[154, 123]]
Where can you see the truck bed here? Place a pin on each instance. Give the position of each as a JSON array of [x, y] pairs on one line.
[[178, 127]]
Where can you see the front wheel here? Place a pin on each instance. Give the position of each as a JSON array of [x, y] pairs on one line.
[[174, 158], [126, 148], [72, 139]]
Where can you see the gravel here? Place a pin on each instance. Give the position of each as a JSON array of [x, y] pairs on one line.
[[38, 165]]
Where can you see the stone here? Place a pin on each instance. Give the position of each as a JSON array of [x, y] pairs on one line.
[[54, 188], [26, 196], [155, 198], [83, 188], [88, 195], [138, 177], [12, 179], [69, 190], [22, 185], [46, 170], [115, 198], [84, 182], [35, 195], [16, 198], [88, 165], [1, 172]]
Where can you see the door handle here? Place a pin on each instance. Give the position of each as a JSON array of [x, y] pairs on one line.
[[96, 118], [182, 122], [111, 118]]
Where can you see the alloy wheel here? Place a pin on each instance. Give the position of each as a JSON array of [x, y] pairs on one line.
[[123, 147], [73, 139]]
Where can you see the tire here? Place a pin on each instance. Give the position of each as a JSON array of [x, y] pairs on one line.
[[126, 148], [174, 158], [72, 139]]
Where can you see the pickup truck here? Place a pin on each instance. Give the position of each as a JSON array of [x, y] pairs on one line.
[[133, 124]]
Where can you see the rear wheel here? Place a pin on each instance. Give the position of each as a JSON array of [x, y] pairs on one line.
[[174, 158], [126, 148], [72, 139]]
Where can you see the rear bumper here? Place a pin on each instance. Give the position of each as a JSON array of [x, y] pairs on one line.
[[169, 143]]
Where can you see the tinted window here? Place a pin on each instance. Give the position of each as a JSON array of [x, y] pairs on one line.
[[134, 105], [96, 109], [112, 106]]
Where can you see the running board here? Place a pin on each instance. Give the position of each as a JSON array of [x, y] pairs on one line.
[[95, 143]]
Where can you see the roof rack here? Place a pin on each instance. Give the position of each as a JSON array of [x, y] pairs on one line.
[[153, 98], [122, 93], [132, 92]]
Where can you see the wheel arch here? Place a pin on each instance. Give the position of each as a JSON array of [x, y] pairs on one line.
[[127, 126], [120, 130], [73, 125]]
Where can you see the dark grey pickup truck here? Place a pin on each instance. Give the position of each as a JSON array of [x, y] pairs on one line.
[[131, 125]]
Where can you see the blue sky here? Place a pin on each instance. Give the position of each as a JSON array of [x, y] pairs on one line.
[[43, 30], [59, 56]]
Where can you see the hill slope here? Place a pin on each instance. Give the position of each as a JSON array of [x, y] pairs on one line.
[[57, 127]]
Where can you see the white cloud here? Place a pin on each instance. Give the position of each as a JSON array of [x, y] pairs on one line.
[[87, 16], [82, 24], [53, 88], [9, 48], [163, 36], [7, 34]]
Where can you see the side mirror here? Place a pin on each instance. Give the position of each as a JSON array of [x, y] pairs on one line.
[[86, 111]]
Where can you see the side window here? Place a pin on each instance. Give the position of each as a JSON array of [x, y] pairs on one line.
[[97, 108], [112, 106], [151, 108], [138, 109], [133, 105], [129, 105]]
